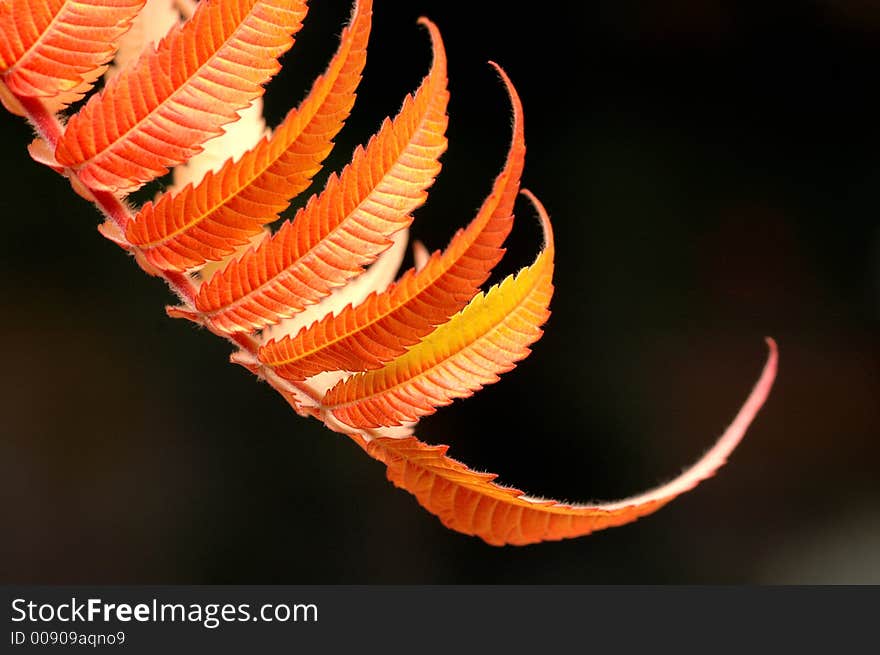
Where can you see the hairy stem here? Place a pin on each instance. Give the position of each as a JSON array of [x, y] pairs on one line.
[[47, 124]]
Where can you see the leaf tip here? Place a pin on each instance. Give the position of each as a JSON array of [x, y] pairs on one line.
[[543, 217], [436, 41]]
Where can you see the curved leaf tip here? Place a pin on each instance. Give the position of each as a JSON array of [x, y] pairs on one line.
[[470, 502], [716, 456], [386, 352]]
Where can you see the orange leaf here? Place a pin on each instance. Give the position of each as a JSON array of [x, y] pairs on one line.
[[461, 356], [157, 113], [470, 502], [60, 46], [344, 228], [206, 223], [378, 276], [379, 329]]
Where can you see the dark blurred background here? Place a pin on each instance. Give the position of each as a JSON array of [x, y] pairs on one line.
[[712, 169]]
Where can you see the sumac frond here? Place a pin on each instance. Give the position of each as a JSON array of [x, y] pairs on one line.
[[311, 308]]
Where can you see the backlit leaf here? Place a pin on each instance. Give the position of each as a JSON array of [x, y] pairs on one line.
[[54, 47], [470, 502], [345, 227], [367, 336], [459, 357], [206, 222], [157, 113]]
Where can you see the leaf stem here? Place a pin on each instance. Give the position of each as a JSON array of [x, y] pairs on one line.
[[47, 124]]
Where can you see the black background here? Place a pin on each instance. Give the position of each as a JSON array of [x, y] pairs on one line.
[[711, 169]]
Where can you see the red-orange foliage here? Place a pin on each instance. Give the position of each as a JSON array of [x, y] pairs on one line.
[[381, 355]]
